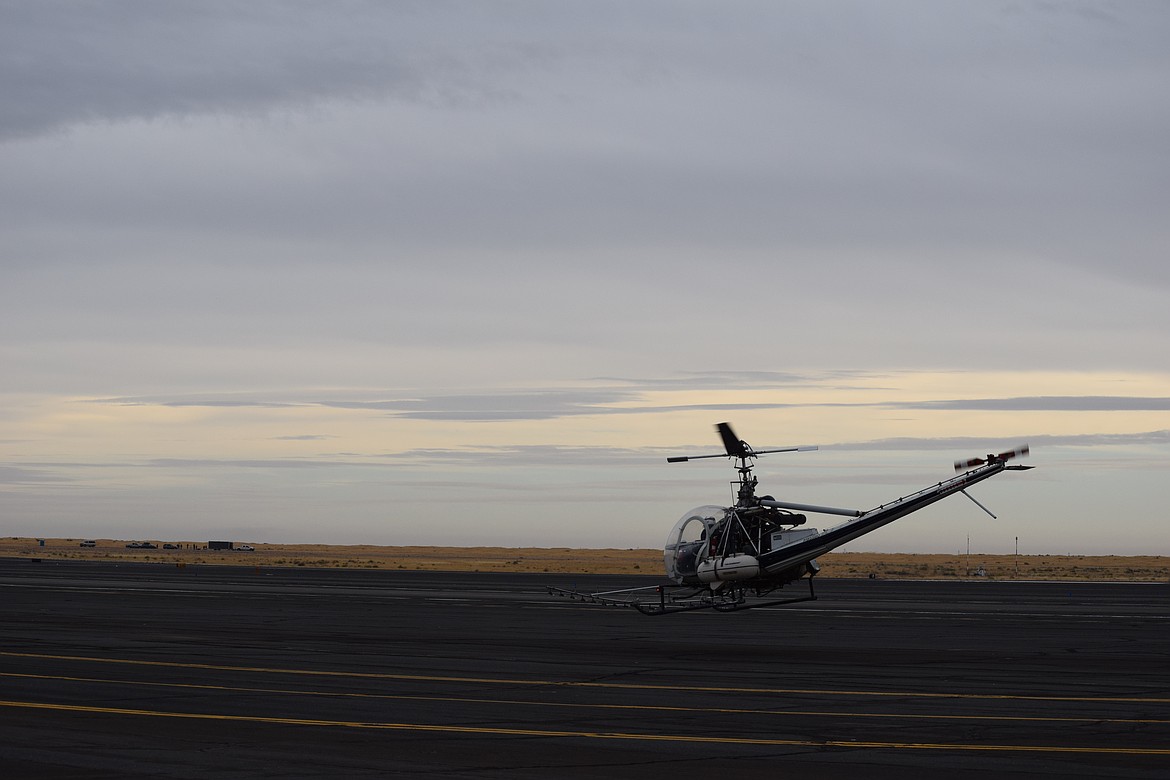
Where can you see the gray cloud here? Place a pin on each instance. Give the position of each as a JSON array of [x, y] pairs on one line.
[[1038, 442], [729, 380], [543, 405], [67, 63], [179, 403], [557, 404], [21, 475], [1090, 403], [778, 131], [249, 463], [516, 457]]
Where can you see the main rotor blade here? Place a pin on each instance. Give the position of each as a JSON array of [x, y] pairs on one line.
[[732, 443], [811, 448], [685, 458]]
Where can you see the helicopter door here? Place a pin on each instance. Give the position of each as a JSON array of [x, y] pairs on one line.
[[686, 545]]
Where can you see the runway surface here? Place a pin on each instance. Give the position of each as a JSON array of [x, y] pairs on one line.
[[139, 670]]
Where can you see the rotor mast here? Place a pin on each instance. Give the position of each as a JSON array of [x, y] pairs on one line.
[[743, 454], [746, 495]]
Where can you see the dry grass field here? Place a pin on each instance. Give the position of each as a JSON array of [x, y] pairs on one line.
[[1145, 568]]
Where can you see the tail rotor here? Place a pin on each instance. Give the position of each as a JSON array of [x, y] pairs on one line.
[[1003, 457]]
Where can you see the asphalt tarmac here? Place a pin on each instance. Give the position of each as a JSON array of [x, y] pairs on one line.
[[140, 670]]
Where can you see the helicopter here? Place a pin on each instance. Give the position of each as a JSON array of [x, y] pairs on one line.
[[733, 558]]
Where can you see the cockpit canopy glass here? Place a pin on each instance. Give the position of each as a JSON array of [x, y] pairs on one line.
[[686, 546]]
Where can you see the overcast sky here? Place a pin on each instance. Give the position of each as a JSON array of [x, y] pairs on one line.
[[467, 272]]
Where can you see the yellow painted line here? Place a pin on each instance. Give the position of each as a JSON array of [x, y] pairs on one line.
[[632, 736], [584, 706], [587, 684]]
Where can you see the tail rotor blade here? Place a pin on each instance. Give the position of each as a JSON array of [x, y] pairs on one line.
[[1018, 452], [970, 463]]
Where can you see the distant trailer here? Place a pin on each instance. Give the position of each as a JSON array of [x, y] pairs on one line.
[[219, 545]]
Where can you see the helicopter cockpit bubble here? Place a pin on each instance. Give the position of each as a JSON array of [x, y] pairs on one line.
[[686, 545]]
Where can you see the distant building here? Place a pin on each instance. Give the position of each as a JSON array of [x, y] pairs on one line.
[[219, 545]]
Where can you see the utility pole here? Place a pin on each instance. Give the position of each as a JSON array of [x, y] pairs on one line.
[[1017, 557]]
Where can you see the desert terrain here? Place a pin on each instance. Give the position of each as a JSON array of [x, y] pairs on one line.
[[1142, 568]]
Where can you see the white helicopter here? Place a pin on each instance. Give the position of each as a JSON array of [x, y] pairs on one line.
[[731, 558]]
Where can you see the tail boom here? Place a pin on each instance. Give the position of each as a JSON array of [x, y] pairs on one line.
[[786, 557]]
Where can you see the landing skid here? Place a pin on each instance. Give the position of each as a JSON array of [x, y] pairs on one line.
[[673, 598]]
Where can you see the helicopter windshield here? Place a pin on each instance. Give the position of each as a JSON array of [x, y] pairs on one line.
[[686, 546]]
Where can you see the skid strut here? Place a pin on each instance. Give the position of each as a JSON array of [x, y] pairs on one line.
[[670, 599]]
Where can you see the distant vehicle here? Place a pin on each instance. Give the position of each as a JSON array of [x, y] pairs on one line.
[[246, 548], [133, 545], [148, 546], [170, 546], [88, 543]]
